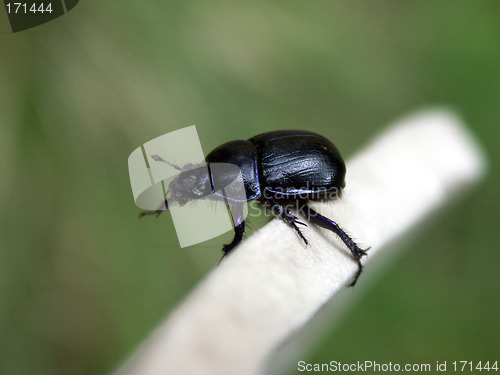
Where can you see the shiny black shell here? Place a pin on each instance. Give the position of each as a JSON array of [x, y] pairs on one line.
[[288, 163]]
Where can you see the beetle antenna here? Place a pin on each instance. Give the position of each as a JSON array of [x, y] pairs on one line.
[[159, 158]]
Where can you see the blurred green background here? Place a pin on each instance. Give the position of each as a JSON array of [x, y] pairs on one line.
[[82, 281]]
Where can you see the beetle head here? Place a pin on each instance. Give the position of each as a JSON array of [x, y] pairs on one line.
[[193, 182]]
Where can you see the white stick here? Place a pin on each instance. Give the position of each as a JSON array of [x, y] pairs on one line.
[[272, 284]]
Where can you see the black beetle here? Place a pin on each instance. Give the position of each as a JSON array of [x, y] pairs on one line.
[[279, 168]]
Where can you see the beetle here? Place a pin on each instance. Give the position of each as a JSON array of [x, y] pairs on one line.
[[279, 168]]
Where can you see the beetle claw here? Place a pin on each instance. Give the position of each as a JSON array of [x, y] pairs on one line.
[[360, 268]]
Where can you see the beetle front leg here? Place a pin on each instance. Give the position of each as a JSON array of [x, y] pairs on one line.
[[158, 212], [239, 230], [326, 223], [238, 236]]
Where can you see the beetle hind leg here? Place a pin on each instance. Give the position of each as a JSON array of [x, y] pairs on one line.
[[326, 223]]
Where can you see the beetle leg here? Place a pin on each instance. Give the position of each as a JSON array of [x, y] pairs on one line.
[[285, 214], [326, 223], [238, 236], [158, 212], [239, 229]]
